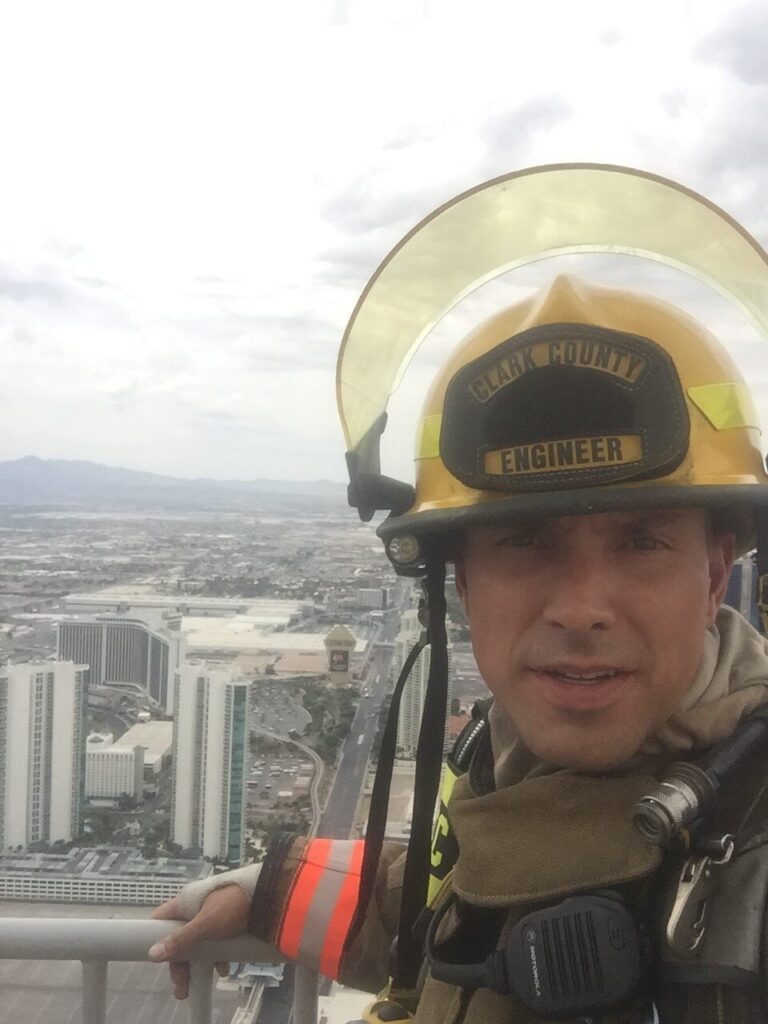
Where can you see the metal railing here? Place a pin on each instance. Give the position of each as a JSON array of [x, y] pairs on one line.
[[97, 941]]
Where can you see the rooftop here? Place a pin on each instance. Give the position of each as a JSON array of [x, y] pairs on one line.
[[242, 635], [156, 736], [147, 597], [100, 861]]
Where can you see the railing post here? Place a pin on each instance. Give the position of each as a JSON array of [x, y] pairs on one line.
[[94, 991], [200, 993], [305, 996]]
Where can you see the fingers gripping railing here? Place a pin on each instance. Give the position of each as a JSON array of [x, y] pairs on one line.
[[96, 941]]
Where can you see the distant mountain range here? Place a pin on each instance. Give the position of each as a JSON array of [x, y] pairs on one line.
[[33, 481]]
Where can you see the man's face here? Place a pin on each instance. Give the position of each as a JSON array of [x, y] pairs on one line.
[[589, 630]]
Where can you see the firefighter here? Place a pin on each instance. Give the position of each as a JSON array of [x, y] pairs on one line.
[[589, 462]]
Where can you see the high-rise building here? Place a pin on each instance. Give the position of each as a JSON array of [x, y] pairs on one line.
[[42, 752], [742, 592], [144, 651], [209, 761], [414, 692]]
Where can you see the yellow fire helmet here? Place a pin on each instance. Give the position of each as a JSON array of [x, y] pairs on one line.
[[579, 399]]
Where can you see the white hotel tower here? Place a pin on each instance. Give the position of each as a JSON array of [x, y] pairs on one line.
[[42, 751], [415, 690], [210, 740]]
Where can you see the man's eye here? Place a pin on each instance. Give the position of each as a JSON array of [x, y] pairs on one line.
[[519, 540], [647, 543]]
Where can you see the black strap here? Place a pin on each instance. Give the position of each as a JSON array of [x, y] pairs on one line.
[[470, 736], [377, 814], [429, 758], [761, 529]]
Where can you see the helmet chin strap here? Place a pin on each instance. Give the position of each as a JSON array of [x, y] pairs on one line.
[[761, 530], [429, 759], [377, 814]]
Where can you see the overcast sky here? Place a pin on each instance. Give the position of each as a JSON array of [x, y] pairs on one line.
[[193, 195]]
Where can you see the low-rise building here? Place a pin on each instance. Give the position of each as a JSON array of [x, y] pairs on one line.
[[113, 769], [156, 738], [372, 598], [96, 875]]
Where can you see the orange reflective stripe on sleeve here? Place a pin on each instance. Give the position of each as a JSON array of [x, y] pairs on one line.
[[321, 903], [336, 935], [303, 889]]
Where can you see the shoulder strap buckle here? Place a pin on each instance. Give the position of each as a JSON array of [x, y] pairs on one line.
[[698, 878]]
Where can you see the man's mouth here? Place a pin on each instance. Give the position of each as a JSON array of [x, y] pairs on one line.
[[581, 685], [583, 678]]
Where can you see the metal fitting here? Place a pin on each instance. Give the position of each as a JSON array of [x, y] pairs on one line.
[[683, 795]]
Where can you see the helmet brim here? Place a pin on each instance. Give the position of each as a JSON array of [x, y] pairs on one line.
[[738, 502]]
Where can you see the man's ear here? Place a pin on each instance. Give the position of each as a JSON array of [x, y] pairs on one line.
[[722, 554]]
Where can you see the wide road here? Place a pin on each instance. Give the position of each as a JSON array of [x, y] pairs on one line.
[[339, 814], [338, 817]]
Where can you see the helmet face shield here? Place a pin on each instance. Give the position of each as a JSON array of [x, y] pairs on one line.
[[516, 220], [579, 399]]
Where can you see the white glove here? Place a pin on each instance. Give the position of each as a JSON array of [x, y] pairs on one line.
[[192, 896]]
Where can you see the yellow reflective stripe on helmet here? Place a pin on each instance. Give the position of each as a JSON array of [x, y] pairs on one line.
[[725, 405], [442, 856], [428, 440]]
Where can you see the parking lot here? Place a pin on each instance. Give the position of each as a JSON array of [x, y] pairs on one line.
[[276, 709], [277, 779]]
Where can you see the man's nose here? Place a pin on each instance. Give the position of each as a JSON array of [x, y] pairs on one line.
[[582, 596]]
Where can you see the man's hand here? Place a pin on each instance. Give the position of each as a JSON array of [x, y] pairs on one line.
[[223, 915]]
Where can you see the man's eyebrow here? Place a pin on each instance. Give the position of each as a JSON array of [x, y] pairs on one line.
[[652, 520], [526, 525]]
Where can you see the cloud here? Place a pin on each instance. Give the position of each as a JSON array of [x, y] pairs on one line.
[[509, 134], [43, 291], [610, 37], [515, 125], [371, 202], [348, 264], [175, 286], [227, 423], [63, 248], [674, 102], [261, 341], [741, 44], [124, 394], [32, 289], [339, 13], [209, 279], [741, 139], [94, 282]]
